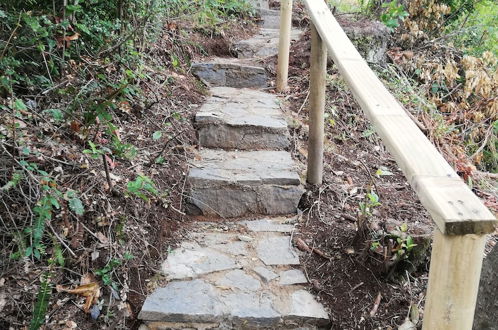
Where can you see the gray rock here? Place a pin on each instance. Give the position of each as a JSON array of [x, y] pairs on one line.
[[245, 238], [369, 37], [277, 250], [252, 308], [241, 119], [265, 274], [240, 280], [267, 225], [271, 22], [305, 307], [213, 238], [233, 248], [230, 73], [193, 301], [184, 263], [269, 12], [259, 4], [292, 276], [233, 184], [264, 44], [181, 326], [218, 168]]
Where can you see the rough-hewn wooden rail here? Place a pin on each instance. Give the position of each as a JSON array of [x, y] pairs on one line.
[[462, 220]]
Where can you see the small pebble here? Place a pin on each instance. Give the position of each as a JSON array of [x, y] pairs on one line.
[[245, 238]]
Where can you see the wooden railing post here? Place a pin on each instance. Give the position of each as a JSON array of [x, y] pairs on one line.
[[454, 275], [284, 44], [318, 72]]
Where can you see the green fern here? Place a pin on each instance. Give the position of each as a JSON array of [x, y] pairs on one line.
[[42, 300], [43, 211], [58, 253]]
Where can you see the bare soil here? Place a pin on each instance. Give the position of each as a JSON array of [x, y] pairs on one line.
[[347, 275], [352, 277]]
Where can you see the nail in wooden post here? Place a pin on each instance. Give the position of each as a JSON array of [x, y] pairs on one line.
[[284, 44], [318, 73], [454, 275]]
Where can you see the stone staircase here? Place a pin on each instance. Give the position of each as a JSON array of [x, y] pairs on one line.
[[239, 274]]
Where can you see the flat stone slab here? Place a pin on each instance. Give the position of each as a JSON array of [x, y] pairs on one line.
[[240, 280], [304, 306], [242, 119], [267, 225], [213, 238], [277, 250], [188, 301], [265, 274], [230, 73], [292, 276], [237, 183], [233, 298], [252, 308], [264, 44], [259, 4], [233, 248], [271, 22], [190, 263]]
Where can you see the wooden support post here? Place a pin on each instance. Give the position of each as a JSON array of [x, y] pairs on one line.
[[318, 73], [453, 281], [284, 44]]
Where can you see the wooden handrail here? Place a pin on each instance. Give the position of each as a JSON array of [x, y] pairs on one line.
[[453, 206], [461, 218]]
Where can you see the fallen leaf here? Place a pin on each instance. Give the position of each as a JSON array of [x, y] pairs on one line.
[[70, 325], [102, 238], [75, 126], [91, 291], [112, 164], [87, 278]]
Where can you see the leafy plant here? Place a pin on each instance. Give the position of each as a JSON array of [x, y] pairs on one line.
[[393, 14], [142, 187], [106, 272], [371, 202], [42, 300], [94, 151], [75, 203], [405, 243]]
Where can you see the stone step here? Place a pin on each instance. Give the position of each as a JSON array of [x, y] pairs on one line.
[[237, 183], [264, 44], [269, 12], [223, 280], [230, 72], [242, 119], [271, 22], [260, 4]]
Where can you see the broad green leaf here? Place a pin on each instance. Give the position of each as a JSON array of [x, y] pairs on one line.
[[76, 205], [157, 135], [56, 114], [19, 105]]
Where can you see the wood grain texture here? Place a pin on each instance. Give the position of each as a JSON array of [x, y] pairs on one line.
[[454, 275], [318, 75], [284, 44], [434, 180]]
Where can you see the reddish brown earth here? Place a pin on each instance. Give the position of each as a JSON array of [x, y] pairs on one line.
[[348, 277]]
